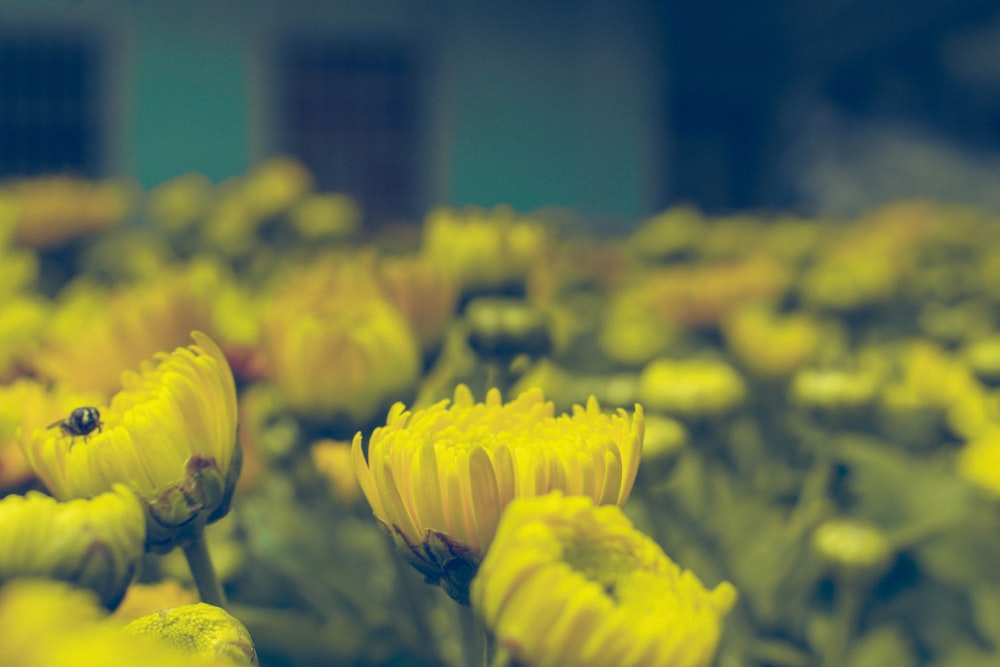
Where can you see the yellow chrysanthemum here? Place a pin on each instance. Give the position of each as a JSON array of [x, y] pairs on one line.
[[569, 583], [691, 388], [143, 599], [48, 624], [96, 543], [484, 249], [94, 335], [332, 459], [58, 209], [26, 405], [169, 434], [202, 631], [979, 460], [335, 345], [423, 292], [438, 479], [770, 343]]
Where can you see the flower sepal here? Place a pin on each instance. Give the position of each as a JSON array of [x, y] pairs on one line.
[[441, 559], [178, 515]]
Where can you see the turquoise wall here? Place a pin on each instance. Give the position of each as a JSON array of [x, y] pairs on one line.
[[530, 106], [189, 112]]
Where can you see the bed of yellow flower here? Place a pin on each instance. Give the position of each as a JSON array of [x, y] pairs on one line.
[[815, 402]]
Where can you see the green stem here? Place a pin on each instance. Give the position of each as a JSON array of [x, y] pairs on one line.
[[845, 618], [200, 562], [474, 645]]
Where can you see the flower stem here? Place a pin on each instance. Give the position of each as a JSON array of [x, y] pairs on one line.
[[200, 562], [846, 610], [474, 647]]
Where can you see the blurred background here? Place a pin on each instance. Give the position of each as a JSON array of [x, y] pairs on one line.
[[614, 110]]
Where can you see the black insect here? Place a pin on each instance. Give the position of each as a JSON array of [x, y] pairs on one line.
[[82, 421]]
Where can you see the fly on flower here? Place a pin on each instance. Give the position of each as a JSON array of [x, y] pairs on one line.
[[82, 421]]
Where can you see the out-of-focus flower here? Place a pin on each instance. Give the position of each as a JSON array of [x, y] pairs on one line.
[[324, 218], [703, 295], [332, 459], [501, 328], [769, 343], [94, 336], [127, 256], [169, 434], [96, 543], [438, 479], [959, 323], [202, 631], [143, 599], [670, 235], [19, 268], [793, 240], [857, 550], [423, 292], [979, 460], [974, 411], [48, 624], [648, 314], [484, 250], [175, 206], [834, 389], [983, 358], [691, 388], [568, 583], [335, 345], [22, 320], [867, 262], [731, 236], [274, 185], [665, 439], [58, 209], [926, 384], [631, 333], [27, 405]]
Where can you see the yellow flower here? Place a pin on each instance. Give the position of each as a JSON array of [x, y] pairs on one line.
[[673, 233], [332, 459], [26, 405], [58, 209], [423, 292], [96, 543], [336, 346], [325, 218], [855, 549], [176, 205], [95, 335], [691, 388], [438, 479], [201, 630], [979, 460], [569, 583], [770, 343], [143, 599], [484, 250], [47, 624], [169, 434]]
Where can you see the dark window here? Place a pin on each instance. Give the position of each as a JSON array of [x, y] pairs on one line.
[[49, 106], [348, 110]]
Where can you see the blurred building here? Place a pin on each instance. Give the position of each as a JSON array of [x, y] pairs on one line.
[[612, 109]]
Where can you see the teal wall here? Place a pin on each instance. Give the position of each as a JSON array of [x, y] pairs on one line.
[[525, 105], [189, 112], [553, 111]]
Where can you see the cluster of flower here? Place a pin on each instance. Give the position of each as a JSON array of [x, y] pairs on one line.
[[783, 381]]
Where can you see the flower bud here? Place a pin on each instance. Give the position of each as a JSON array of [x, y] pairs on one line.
[[96, 543], [201, 630]]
